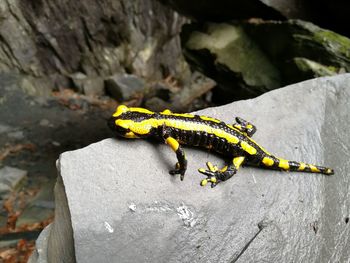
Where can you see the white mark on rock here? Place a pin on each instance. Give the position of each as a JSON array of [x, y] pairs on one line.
[[132, 207], [254, 178], [159, 207], [186, 215], [109, 228]]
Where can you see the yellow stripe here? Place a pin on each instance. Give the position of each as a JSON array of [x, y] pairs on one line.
[[283, 164], [168, 112], [314, 169], [205, 118], [192, 126], [301, 167], [237, 161], [172, 143], [248, 148], [145, 126], [141, 110], [268, 161]]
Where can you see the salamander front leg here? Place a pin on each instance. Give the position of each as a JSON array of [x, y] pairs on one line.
[[181, 165], [244, 126], [215, 176]]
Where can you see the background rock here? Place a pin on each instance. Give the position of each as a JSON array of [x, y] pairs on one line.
[[122, 204], [11, 179], [124, 87], [248, 58], [43, 39], [228, 55], [331, 15]]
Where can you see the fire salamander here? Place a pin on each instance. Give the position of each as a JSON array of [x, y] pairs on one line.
[[233, 141]]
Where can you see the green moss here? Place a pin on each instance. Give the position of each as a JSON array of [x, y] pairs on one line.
[[334, 41], [313, 68]]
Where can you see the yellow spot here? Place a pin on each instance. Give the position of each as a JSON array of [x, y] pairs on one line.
[[205, 118], [204, 182], [123, 123], [120, 110], [137, 127], [283, 164], [302, 167], [224, 169], [268, 161], [131, 135], [314, 169], [238, 126], [248, 148], [172, 143], [249, 126], [213, 179], [201, 170], [237, 161], [212, 167], [329, 171], [141, 110], [166, 112]]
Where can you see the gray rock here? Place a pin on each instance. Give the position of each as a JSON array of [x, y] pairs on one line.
[[117, 200], [40, 254], [11, 179], [124, 87], [96, 38], [90, 86], [40, 208]]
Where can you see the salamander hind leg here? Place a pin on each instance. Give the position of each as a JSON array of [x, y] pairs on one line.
[[244, 126], [181, 165], [215, 176]]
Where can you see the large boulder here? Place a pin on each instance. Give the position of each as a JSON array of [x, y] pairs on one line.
[[117, 203]]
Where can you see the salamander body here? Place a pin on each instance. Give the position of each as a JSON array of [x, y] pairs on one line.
[[232, 141]]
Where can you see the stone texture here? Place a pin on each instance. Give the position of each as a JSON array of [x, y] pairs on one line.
[[124, 87], [332, 15], [50, 40], [227, 54], [11, 179], [248, 58], [119, 203], [90, 86]]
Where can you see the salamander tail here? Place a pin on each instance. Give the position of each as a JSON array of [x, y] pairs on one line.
[[282, 164]]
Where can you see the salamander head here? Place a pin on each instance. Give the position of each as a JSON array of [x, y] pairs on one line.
[[126, 122]]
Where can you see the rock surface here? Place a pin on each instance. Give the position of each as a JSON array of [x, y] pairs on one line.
[[331, 15], [117, 203], [50, 41], [11, 179], [248, 58], [124, 87]]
